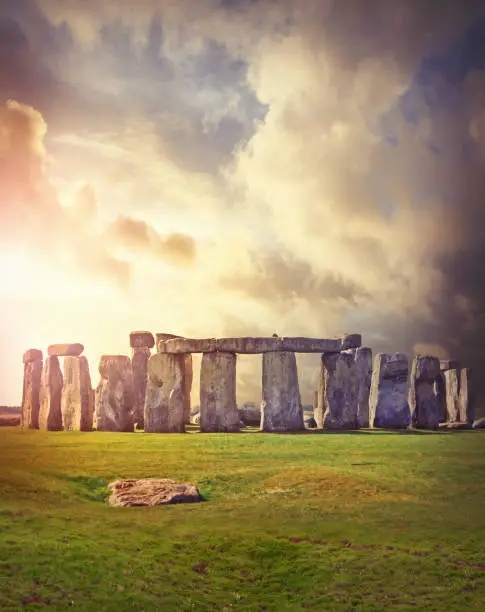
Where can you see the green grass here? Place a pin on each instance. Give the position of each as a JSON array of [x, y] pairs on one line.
[[362, 521]]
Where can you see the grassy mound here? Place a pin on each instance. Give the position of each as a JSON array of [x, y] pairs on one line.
[[357, 521]]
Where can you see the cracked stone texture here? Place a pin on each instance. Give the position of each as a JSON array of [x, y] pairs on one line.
[[466, 396], [363, 366], [50, 414], [77, 405], [452, 386], [218, 408], [65, 350], [151, 492], [29, 416], [281, 408], [424, 403], [338, 391], [142, 339], [388, 400], [114, 397], [165, 394], [139, 363]]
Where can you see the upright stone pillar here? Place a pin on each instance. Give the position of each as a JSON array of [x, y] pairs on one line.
[[466, 396], [114, 395], [338, 391], [281, 408], [164, 399], [50, 415], [188, 372], [29, 417], [440, 391], [218, 408], [423, 397], [452, 386], [141, 343], [77, 405], [388, 400], [363, 367]]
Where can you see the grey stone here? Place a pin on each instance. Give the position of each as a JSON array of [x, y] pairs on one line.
[[423, 397], [179, 346], [388, 399], [311, 345], [338, 392], [77, 406], [29, 415], [449, 364], [281, 408], [139, 364], [466, 396], [50, 414], [452, 386], [363, 366], [32, 355], [250, 415], [65, 350], [151, 492], [350, 341], [188, 378], [218, 408], [114, 398], [440, 391], [456, 425], [479, 424], [164, 400], [142, 339]]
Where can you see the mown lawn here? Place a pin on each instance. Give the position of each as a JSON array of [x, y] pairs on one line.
[[362, 521]]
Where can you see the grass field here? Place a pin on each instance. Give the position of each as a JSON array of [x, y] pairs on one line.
[[362, 521]]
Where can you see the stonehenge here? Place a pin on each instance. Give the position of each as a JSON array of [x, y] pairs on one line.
[[153, 391]]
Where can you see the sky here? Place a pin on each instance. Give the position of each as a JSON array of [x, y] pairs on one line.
[[225, 167]]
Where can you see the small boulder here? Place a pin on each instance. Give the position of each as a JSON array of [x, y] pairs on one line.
[[151, 492], [65, 350], [479, 424]]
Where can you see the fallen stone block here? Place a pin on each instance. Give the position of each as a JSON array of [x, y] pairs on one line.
[[142, 339], [65, 350], [151, 492]]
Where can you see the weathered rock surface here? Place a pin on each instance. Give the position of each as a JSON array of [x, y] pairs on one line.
[[164, 400], [179, 346], [363, 371], [423, 397], [281, 408], [456, 425], [452, 386], [142, 339], [31, 390], [188, 378], [32, 355], [195, 418], [311, 345], [9, 419], [50, 415], [218, 408], [309, 420], [151, 492], [65, 350], [440, 391], [162, 337], [449, 364], [479, 424], [350, 341], [388, 400], [338, 392], [77, 401], [114, 397], [139, 364], [250, 415], [466, 396]]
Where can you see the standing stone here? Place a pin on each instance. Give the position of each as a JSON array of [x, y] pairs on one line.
[[188, 378], [440, 391], [142, 339], [50, 414], [338, 390], [77, 406], [29, 417], [466, 397], [164, 399], [363, 367], [452, 385], [281, 408], [218, 408], [139, 362], [114, 395], [388, 400], [423, 397]]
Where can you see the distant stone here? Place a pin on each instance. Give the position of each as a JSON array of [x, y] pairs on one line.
[[363, 367], [440, 391], [350, 341], [188, 378], [114, 398], [466, 396], [151, 492], [250, 415], [388, 400], [164, 401], [142, 339], [32, 355], [281, 409], [139, 363], [311, 345], [77, 401], [423, 397], [338, 392], [195, 418], [179, 346], [479, 424], [452, 388], [9, 419], [218, 408], [50, 414], [309, 420], [65, 350], [31, 391], [449, 364]]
